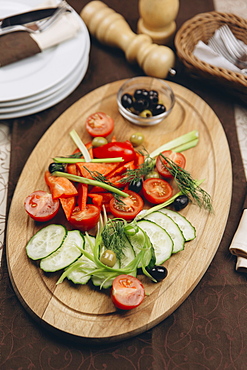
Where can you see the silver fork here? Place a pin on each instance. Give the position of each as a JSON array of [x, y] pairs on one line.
[[220, 49], [234, 46], [39, 26]]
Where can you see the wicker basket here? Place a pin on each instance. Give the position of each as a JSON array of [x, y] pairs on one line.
[[202, 27]]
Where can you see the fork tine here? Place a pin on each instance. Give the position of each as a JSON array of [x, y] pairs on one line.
[[231, 42], [45, 24], [220, 50], [42, 24]]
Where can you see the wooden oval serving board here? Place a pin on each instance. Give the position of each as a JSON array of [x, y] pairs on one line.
[[84, 312]]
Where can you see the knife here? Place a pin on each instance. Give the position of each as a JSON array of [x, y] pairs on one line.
[[27, 17]]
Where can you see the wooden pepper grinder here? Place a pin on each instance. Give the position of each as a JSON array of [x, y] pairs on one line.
[[110, 28], [157, 19]]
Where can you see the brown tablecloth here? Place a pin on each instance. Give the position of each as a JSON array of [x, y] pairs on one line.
[[208, 331]]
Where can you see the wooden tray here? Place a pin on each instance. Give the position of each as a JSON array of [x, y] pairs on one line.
[[83, 312]]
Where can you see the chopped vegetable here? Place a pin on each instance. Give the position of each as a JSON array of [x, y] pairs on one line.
[[85, 219], [116, 149], [41, 206], [126, 208], [60, 187], [127, 292], [83, 149], [45, 241], [156, 190], [99, 124], [188, 186], [84, 180], [161, 163], [179, 144]]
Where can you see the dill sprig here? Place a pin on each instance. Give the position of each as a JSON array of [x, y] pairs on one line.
[[139, 173], [187, 185], [113, 236]]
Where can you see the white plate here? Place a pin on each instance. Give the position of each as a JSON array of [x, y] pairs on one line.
[[16, 104], [43, 71], [49, 96], [56, 98]]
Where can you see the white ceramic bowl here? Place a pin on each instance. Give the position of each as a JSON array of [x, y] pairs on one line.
[[166, 97]]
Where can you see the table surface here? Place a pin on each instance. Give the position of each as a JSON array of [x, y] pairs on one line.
[[208, 331]]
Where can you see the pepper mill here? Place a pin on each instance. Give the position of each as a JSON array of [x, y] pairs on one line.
[[157, 19], [110, 28]]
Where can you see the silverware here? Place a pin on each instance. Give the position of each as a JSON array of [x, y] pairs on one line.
[[28, 17], [231, 50], [34, 21], [234, 46]]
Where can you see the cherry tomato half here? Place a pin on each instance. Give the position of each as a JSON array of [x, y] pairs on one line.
[[127, 292], [127, 208], [156, 191], [86, 219], [99, 124], [178, 158], [116, 149], [41, 206]]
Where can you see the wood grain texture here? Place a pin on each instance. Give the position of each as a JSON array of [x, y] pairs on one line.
[[84, 312]]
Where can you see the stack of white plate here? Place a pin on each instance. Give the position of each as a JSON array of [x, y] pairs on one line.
[[39, 82]]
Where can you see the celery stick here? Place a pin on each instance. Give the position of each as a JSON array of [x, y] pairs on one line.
[[94, 160], [75, 137], [186, 146], [179, 141], [84, 180]]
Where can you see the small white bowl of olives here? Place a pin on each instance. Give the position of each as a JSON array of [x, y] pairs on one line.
[[145, 101]]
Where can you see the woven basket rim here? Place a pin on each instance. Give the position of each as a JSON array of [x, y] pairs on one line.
[[200, 66]]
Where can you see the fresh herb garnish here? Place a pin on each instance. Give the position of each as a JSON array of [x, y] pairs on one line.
[[187, 185], [113, 236], [147, 166]]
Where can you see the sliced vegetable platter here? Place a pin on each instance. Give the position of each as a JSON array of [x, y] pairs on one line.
[[85, 312]]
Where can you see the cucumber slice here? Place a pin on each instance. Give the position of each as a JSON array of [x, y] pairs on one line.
[[45, 241], [185, 226], [171, 228], [137, 241], [128, 254], [160, 239], [69, 251], [80, 271]]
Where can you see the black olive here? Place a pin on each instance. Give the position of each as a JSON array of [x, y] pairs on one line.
[[127, 101], [158, 272], [158, 109], [180, 202], [56, 167], [154, 93], [153, 100], [141, 94], [136, 186], [140, 105]]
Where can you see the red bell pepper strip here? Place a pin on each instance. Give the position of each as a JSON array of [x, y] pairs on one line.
[[72, 169], [116, 149], [103, 168], [68, 205], [82, 196], [60, 187], [97, 199]]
